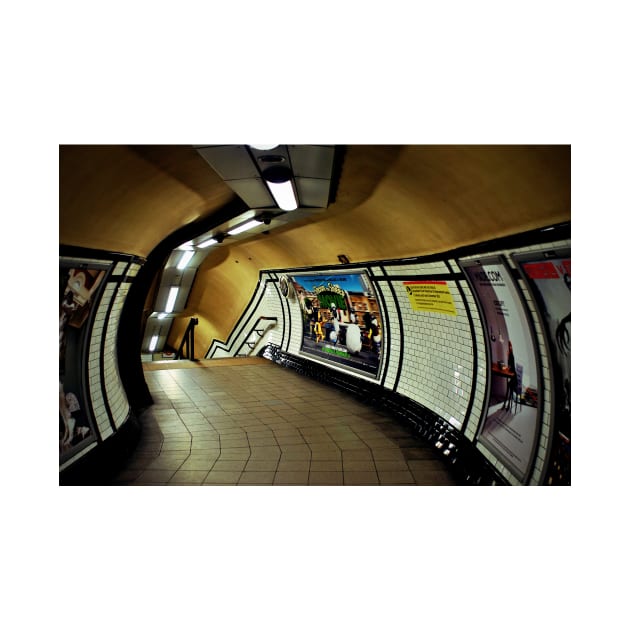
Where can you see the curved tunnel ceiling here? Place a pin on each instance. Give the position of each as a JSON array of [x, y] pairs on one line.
[[388, 202], [391, 201]]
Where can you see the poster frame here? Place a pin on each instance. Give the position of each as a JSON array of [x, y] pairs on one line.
[[500, 259], [384, 322], [520, 259], [82, 374]]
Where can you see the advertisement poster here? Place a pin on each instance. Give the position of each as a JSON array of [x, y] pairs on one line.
[[550, 282], [341, 319], [78, 289], [431, 296], [510, 426]]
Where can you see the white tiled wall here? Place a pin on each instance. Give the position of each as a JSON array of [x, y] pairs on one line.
[[101, 417], [107, 362], [435, 351], [392, 350], [116, 397], [102, 358], [437, 356], [265, 303]]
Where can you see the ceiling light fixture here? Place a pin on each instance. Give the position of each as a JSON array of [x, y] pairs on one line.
[[263, 147], [185, 259], [278, 179], [153, 343], [210, 241], [246, 226], [172, 296]]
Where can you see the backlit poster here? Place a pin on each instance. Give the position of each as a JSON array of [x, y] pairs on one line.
[[549, 279], [78, 290], [509, 428], [341, 319]]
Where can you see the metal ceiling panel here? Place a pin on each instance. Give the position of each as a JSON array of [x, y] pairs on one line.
[[230, 161], [253, 192], [313, 192], [312, 160]]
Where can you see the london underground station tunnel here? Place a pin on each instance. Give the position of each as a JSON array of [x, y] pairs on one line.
[[401, 317]]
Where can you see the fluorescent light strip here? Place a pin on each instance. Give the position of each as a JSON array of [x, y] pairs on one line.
[[284, 195], [172, 296], [185, 259], [153, 343], [263, 147], [246, 226], [210, 241]]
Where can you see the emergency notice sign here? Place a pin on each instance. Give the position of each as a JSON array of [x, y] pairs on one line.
[[431, 296]]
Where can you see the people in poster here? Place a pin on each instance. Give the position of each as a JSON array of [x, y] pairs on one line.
[[510, 426], [77, 289], [341, 319], [511, 389]]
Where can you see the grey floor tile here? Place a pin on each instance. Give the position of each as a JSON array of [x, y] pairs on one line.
[[293, 465], [239, 422], [222, 477], [192, 477], [325, 478], [323, 465], [358, 465], [391, 465], [360, 478], [261, 465], [295, 477], [231, 465], [395, 477], [154, 476], [257, 478]]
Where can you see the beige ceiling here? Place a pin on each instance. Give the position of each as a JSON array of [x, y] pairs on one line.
[[391, 202]]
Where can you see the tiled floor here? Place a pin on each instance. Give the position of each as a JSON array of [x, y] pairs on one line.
[[253, 422]]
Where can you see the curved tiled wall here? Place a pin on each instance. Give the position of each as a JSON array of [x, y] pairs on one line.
[[437, 361], [89, 371], [433, 368]]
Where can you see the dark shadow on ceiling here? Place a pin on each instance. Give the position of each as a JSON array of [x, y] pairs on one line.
[[183, 163]]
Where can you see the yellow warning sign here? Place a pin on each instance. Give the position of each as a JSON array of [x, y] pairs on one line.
[[431, 296]]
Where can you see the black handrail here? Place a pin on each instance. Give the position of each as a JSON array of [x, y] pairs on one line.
[[259, 331], [188, 341]]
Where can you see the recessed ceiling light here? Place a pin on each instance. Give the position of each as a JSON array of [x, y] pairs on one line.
[[263, 147], [210, 241], [185, 259], [172, 296], [246, 226]]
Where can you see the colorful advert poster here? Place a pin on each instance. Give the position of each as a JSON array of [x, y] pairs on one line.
[[341, 319], [78, 289], [550, 283], [510, 426]]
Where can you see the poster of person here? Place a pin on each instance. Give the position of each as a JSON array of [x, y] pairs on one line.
[[78, 290], [510, 426], [341, 319], [549, 279]]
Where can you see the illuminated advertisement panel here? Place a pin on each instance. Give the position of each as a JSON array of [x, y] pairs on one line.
[[79, 288], [509, 428], [549, 280], [341, 319]]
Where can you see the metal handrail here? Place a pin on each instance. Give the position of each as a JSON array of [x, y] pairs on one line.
[[259, 331], [188, 341]]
